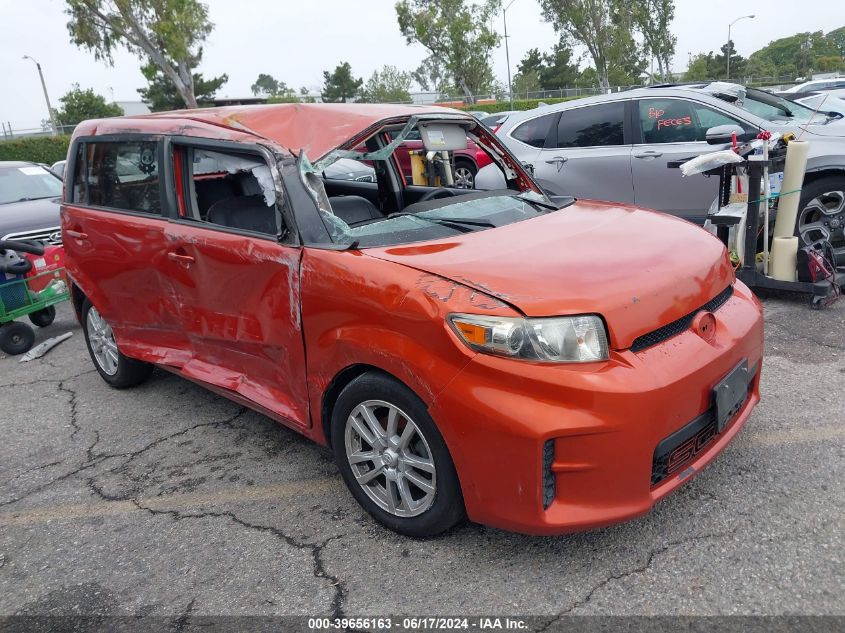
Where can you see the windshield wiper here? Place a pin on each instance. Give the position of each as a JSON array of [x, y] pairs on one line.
[[28, 199], [455, 223], [546, 205]]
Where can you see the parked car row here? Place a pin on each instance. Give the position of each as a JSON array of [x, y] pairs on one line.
[[619, 146]]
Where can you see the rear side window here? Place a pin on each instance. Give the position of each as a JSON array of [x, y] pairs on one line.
[[592, 126], [121, 175], [534, 131]]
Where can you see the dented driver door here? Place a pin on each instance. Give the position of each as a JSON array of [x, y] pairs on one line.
[[236, 286], [239, 300]]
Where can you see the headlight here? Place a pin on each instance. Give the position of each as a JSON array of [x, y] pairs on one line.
[[573, 339]]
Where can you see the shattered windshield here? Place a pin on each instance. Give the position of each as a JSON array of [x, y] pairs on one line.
[[439, 219], [451, 181]]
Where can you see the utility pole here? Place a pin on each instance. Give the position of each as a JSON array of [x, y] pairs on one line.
[[728, 53], [46, 96], [507, 50]]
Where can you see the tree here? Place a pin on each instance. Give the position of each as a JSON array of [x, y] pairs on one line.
[[602, 26], [700, 67], [559, 69], [265, 85], [738, 62], [837, 38], [160, 94], [340, 85], [391, 85], [459, 40], [167, 33], [796, 55], [653, 18], [79, 105]]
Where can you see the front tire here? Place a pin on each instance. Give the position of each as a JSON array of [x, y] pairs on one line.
[[821, 214], [393, 459], [16, 338], [117, 370]]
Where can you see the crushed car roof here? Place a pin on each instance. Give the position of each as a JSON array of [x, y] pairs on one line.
[[316, 128]]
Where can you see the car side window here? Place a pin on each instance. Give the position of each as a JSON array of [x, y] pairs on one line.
[[227, 189], [534, 131], [592, 126], [121, 175], [668, 121], [709, 117]]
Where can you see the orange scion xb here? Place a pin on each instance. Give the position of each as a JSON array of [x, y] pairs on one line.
[[532, 362]]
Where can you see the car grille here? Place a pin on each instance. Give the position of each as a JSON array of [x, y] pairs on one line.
[[51, 236], [681, 325], [684, 445]]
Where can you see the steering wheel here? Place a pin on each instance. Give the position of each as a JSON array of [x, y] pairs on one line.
[[439, 192]]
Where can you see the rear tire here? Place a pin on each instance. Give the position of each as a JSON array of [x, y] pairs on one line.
[[117, 370], [16, 338], [408, 483]]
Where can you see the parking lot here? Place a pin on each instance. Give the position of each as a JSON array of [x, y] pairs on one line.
[[169, 500]]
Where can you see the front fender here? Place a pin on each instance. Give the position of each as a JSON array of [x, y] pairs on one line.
[[358, 310]]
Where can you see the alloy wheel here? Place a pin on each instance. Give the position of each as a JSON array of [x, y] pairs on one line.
[[390, 458], [464, 178], [823, 217], [101, 339]]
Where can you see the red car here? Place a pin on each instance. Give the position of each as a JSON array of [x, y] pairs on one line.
[[540, 365], [467, 161]]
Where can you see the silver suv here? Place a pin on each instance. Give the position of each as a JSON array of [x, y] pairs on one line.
[[618, 147]]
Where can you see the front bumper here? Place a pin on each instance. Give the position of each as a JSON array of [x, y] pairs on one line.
[[605, 421]]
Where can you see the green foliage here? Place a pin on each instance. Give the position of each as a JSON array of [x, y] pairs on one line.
[[605, 29], [547, 71], [161, 95], [166, 33], [518, 104], [837, 37], [459, 39], [276, 91], [79, 105], [390, 85], [340, 85], [265, 85], [799, 55], [37, 149], [653, 19], [714, 66]]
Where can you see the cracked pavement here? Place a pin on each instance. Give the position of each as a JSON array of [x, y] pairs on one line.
[[169, 500]]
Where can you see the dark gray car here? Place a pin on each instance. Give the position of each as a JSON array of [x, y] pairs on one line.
[[29, 209], [617, 147]]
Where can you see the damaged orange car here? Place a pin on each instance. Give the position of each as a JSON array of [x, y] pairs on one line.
[[534, 363]]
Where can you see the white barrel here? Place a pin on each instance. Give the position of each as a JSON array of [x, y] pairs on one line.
[[784, 260]]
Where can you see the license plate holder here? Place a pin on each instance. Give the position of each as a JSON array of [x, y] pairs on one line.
[[730, 394]]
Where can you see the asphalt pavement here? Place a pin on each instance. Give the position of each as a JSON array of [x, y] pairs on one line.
[[169, 500]]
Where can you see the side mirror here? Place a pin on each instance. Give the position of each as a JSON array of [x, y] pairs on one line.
[[722, 134]]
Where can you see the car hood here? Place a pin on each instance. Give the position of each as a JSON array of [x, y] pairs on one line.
[[29, 215], [638, 269]]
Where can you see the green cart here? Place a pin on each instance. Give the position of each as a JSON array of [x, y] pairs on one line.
[[19, 297]]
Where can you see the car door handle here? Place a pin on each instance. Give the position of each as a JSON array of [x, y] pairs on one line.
[[649, 154], [557, 160], [182, 259], [75, 234]]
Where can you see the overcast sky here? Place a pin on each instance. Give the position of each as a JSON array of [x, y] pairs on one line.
[[296, 40]]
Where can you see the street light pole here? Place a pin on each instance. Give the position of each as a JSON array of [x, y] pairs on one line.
[[507, 51], [46, 96], [728, 53]]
